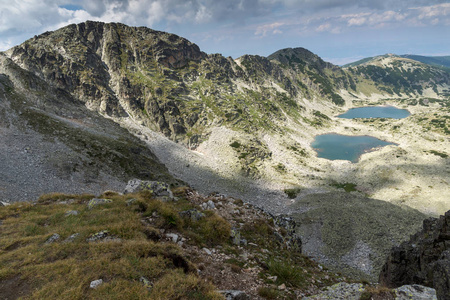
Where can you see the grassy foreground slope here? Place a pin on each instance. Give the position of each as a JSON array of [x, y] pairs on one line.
[[143, 248]]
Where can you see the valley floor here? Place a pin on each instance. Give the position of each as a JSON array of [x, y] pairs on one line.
[[411, 177]]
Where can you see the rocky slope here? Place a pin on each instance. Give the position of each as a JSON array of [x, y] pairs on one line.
[[151, 243], [424, 259], [50, 142]]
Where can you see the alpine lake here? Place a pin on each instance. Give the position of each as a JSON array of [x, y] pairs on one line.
[[344, 147]]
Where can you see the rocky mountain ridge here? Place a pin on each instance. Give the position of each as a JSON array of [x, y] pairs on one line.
[[156, 78], [242, 126], [402, 74]]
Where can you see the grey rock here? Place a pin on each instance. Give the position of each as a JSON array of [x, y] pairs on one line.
[[234, 295], [53, 238], [192, 214], [172, 236], [94, 284], [235, 236], [97, 201], [157, 188], [207, 251], [98, 236], [210, 204], [415, 292], [441, 277], [71, 213], [424, 259], [71, 238], [293, 240], [2, 203], [146, 282], [342, 290]]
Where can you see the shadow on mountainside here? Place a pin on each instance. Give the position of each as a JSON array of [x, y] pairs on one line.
[[352, 233], [52, 143]]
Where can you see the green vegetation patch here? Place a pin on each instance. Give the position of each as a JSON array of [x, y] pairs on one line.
[[292, 193], [287, 273], [440, 154], [235, 144], [347, 186]]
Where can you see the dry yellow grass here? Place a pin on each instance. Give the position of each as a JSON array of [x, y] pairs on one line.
[[64, 270]]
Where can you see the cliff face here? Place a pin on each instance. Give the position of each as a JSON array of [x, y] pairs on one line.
[[424, 259], [101, 65]]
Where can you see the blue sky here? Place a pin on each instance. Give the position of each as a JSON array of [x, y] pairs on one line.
[[339, 31]]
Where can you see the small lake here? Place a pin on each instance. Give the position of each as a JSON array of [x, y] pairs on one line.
[[375, 112], [336, 146]]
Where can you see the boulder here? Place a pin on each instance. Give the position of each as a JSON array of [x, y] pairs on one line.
[[424, 259], [416, 292], [147, 283], [192, 214], [441, 278], [157, 188], [97, 201], [71, 238], [71, 213], [172, 236], [103, 235], [234, 295], [53, 238], [235, 236], [94, 284]]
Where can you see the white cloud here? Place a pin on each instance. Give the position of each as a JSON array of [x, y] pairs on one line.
[[265, 29], [357, 21], [433, 11]]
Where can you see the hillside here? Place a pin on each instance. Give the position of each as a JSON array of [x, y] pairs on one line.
[[97, 104], [402, 74], [52, 143], [144, 246], [438, 61]]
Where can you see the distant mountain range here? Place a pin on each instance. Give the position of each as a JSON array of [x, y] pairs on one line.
[[438, 61]]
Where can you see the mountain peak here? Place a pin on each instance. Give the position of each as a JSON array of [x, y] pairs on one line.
[[299, 55]]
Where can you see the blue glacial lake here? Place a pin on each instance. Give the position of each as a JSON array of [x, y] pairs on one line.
[[336, 146], [375, 112]]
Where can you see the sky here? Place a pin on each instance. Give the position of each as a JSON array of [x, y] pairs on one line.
[[339, 31]]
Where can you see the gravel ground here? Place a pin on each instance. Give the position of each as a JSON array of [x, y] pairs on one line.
[[32, 165]]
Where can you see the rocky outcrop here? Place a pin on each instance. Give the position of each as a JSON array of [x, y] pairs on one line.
[[416, 292], [424, 259], [158, 189]]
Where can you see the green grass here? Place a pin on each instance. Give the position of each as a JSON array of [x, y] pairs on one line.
[[287, 273], [268, 293], [64, 270]]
